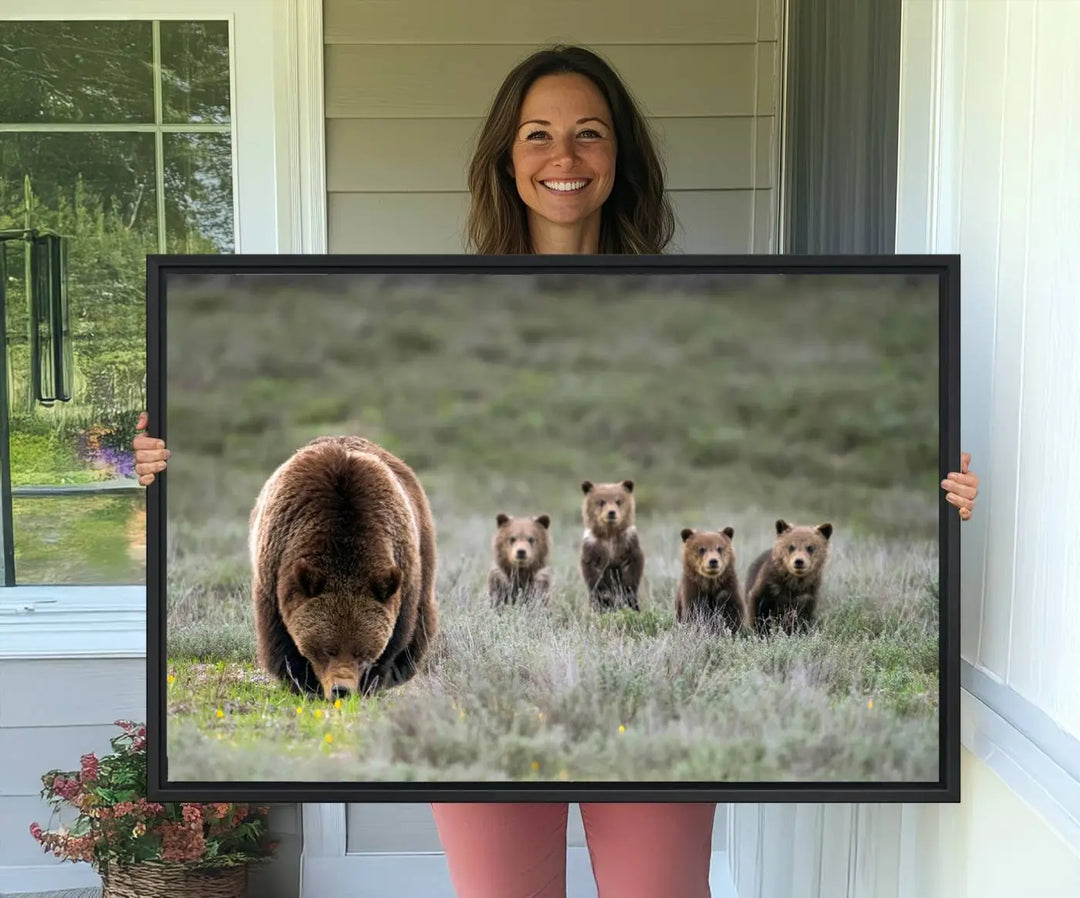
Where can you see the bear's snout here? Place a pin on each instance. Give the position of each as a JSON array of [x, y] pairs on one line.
[[522, 554], [714, 563], [338, 691], [799, 563], [611, 515]]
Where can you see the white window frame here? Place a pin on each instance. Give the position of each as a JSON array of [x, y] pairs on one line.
[[279, 177], [1019, 741]]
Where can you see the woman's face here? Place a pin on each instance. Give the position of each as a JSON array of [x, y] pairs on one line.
[[563, 155]]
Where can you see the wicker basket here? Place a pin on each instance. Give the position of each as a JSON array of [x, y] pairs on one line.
[[159, 879]]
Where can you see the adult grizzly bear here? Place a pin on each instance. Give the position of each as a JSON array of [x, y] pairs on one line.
[[520, 572], [784, 582], [612, 561], [709, 586], [343, 569]]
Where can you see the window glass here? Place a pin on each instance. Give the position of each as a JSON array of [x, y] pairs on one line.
[[116, 135]]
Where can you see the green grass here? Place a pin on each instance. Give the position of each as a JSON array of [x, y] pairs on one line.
[[725, 408], [80, 539]]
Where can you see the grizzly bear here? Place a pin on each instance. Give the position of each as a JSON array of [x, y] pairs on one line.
[[709, 587], [342, 549], [783, 583], [521, 546], [612, 561]]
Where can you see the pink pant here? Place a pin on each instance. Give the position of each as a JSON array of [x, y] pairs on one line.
[[519, 850]]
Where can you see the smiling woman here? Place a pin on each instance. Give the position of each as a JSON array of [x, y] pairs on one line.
[[563, 162], [563, 117]]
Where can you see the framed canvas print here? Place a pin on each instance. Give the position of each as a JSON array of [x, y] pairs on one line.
[[553, 528]]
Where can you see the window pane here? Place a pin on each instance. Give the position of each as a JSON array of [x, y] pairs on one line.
[[198, 193], [87, 540], [99, 190], [76, 72], [195, 72]]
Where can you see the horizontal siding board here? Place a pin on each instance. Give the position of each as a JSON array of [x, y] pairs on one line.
[[524, 22], [28, 752], [427, 154], [66, 692], [16, 814], [396, 222], [768, 22], [708, 221], [436, 81], [716, 221]]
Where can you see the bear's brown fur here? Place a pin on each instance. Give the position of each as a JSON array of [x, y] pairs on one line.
[[612, 561], [783, 584], [342, 548], [521, 546], [709, 587]]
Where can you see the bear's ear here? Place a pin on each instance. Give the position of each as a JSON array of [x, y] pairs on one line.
[[782, 526], [586, 485], [387, 583], [825, 529], [628, 485], [729, 532], [543, 520], [501, 518], [686, 533], [309, 580]]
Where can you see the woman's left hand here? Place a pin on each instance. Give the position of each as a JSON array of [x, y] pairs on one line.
[[962, 487]]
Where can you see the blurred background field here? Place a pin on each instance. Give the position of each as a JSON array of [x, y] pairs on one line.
[[727, 401]]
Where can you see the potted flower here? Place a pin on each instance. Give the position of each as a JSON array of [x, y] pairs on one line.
[[142, 848]]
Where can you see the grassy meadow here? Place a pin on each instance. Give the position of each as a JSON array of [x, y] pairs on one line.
[[728, 401]]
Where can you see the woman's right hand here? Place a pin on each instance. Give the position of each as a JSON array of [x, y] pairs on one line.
[[150, 453]]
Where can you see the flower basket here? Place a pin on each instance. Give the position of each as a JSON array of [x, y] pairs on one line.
[[173, 879], [146, 849]]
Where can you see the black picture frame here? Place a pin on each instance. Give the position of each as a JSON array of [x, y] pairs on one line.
[[946, 790]]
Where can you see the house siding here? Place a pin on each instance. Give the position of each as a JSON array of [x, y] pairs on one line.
[[406, 93]]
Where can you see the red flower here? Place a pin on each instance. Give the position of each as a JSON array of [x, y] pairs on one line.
[[89, 767], [180, 842]]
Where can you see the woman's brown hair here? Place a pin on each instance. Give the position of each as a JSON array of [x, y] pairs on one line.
[[637, 217]]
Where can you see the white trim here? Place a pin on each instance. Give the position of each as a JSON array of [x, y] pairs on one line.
[[323, 826], [72, 622], [279, 162], [309, 120], [1028, 771], [781, 121]]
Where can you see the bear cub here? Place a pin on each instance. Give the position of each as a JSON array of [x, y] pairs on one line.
[[520, 571], [612, 561], [342, 549], [709, 588], [784, 582]]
